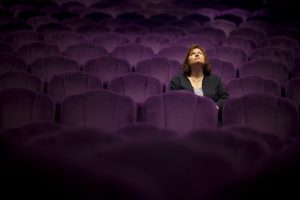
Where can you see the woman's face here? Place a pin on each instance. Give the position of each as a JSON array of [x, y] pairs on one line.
[[196, 57]]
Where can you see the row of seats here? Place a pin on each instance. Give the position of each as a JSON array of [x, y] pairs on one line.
[[108, 111], [136, 85], [162, 68]]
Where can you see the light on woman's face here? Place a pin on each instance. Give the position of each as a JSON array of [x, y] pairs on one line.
[[196, 56]]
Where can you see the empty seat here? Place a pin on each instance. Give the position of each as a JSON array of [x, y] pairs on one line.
[[107, 68], [230, 54], [164, 17], [22, 106], [101, 109], [71, 83], [155, 41], [253, 84], [249, 33], [19, 38], [292, 90], [266, 69], [282, 42], [256, 24], [191, 39], [111, 40], [223, 25], [274, 53], [53, 65], [76, 22], [132, 31], [91, 31], [296, 71], [36, 50], [172, 32], [137, 86], [62, 15], [216, 35], [197, 17], [97, 16], [84, 51], [264, 112], [231, 18], [225, 70], [40, 20], [172, 111], [133, 53], [10, 62], [21, 79], [175, 52], [51, 29], [246, 44], [63, 40], [161, 68]]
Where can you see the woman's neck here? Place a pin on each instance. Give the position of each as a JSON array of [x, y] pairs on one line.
[[197, 74]]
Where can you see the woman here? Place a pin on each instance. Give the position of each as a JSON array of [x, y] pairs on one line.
[[197, 77]]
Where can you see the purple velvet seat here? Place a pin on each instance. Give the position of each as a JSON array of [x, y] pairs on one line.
[[282, 42], [160, 68], [19, 38], [21, 79], [249, 33], [133, 53], [36, 50], [155, 41], [47, 67], [292, 90], [84, 51], [174, 52], [107, 68], [172, 111], [230, 54], [111, 40], [274, 53], [253, 84], [51, 29], [40, 20], [296, 71], [22, 106], [172, 32], [132, 31], [222, 24], [137, 86], [216, 35], [246, 44], [190, 39], [64, 40], [91, 31], [266, 69], [275, 115], [71, 83], [100, 109], [225, 70], [10, 62]]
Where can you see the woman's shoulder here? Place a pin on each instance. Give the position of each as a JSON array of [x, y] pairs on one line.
[[213, 77], [179, 77]]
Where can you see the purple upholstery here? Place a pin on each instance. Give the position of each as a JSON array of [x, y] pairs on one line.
[[76, 22], [72, 83], [133, 53], [19, 38], [111, 40], [91, 31], [161, 68], [249, 33], [51, 29], [230, 54], [101, 109], [225, 70], [107, 67], [84, 51], [173, 111], [222, 24], [53, 65], [63, 40], [36, 50], [274, 53], [172, 32], [189, 40], [247, 45], [256, 24], [137, 86], [253, 84], [175, 52], [292, 90], [11, 62], [266, 69], [132, 31], [282, 42], [216, 35], [40, 20], [155, 41], [264, 112], [296, 70], [21, 79], [22, 106]]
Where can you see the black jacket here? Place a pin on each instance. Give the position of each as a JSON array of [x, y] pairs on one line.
[[212, 87]]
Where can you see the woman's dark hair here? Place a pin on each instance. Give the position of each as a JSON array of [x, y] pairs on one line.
[[187, 67]]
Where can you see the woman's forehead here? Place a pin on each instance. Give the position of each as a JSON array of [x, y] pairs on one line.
[[196, 50]]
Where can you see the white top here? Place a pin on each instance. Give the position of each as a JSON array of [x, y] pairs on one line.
[[198, 91]]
